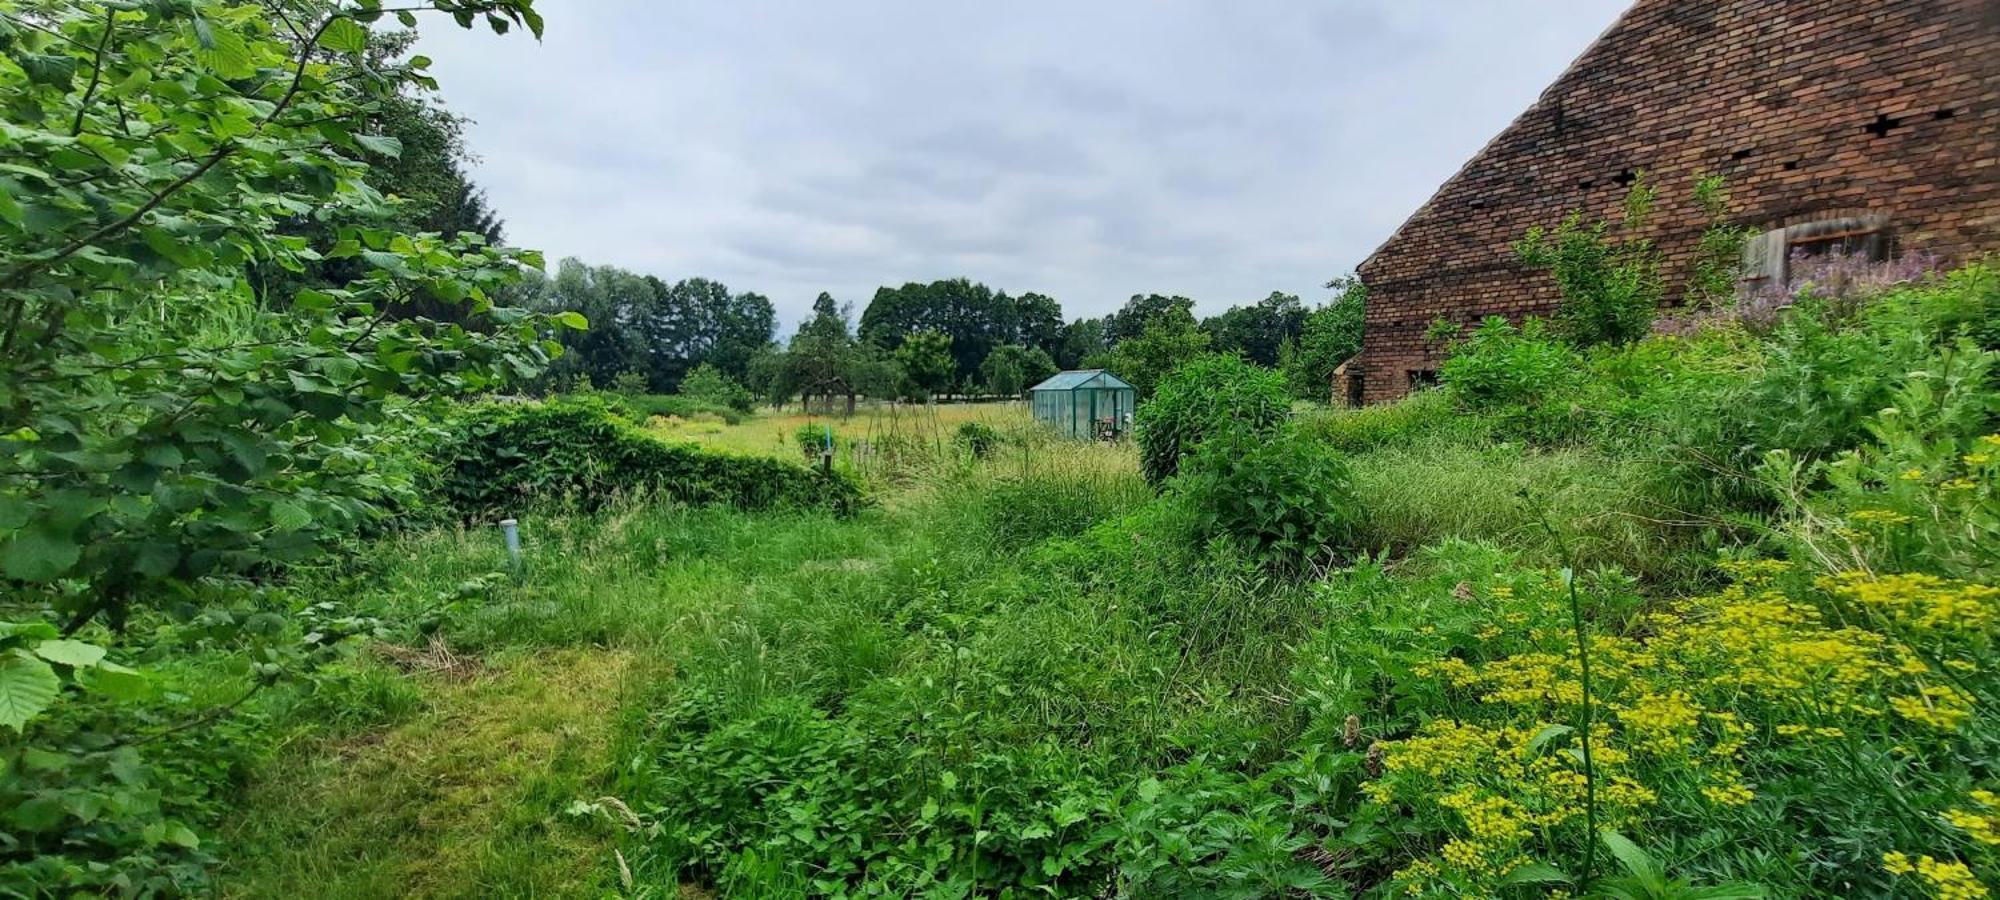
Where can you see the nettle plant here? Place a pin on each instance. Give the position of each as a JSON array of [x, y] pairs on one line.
[[163, 420]]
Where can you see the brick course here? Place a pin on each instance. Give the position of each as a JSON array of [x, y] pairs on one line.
[[1778, 97]]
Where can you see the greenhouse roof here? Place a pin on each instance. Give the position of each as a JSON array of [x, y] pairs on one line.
[[1081, 378]]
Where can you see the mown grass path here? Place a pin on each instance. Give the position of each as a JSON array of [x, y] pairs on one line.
[[462, 799]]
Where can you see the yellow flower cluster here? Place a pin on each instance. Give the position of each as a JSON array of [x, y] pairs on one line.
[[1923, 602], [1939, 706], [1682, 708], [1947, 879], [1982, 824]]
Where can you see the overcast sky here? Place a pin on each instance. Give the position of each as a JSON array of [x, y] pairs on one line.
[[1087, 150]]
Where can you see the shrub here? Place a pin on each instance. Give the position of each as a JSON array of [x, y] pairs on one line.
[[1209, 396], [812, 440], [708, 385], [676, 406], [978, 438], [1518, 374], [499, 456], [1284, 498]]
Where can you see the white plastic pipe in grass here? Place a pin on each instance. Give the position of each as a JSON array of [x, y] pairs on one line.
[[510, 531]]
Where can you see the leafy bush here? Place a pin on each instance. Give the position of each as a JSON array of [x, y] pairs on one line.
[[500, 456], [813, 440], [978, 439], [1206, 397], [1609, 278], [1520, 375], [709, 386], [645, 406], [1284, 498]]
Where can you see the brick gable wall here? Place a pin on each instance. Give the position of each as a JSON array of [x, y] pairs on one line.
[[1777, 97]]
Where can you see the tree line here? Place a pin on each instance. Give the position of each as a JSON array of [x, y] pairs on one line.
[[919, 340]]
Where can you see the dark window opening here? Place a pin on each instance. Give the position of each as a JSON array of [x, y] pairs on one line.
[[1356, 388], [1791, 165], [1587, 183], [1944, 114], [1882, 125], [1625, 178], [1422, 378], [1743, 154], [1477, 204]]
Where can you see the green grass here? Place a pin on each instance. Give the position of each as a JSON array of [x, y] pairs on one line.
[[771, 432], [462, 798]]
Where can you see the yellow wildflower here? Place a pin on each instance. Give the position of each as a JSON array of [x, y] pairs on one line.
[[1950, 879], [1939, 706]]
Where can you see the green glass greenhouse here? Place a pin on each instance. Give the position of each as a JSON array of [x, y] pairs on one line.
[[1090, 403]]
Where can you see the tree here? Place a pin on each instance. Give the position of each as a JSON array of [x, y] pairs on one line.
[[1141, 311], [165, 424], [1331, 335], [658, 330], [1258, 332], [826, 361], [1041, 323], [927, 363], [1011, 369], [972, 315], [1169, 340], [1082, 340]]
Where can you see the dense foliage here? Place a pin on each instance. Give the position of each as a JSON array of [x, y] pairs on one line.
[[1207, 397], [171, 427], [502, 458]]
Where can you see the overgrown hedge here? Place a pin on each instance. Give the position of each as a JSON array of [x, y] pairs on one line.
[[497, 457]]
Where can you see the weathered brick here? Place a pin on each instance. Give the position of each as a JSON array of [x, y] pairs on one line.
[[1775, 95]]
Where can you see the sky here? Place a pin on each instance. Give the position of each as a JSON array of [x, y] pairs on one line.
[[1084, 150]]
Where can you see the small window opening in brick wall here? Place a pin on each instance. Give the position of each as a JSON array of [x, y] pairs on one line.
[[1791, 165], [1882, 125], [1625, 178], [1743, 153], [1767, 257], [1944, 114], [1422, 378]]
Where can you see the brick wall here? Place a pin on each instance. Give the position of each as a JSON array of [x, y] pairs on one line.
[[1777, 97]]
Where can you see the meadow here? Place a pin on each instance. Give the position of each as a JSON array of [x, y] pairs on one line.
[[1035, 672]]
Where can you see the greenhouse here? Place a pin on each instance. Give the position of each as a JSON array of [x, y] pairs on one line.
[[1091, 403]]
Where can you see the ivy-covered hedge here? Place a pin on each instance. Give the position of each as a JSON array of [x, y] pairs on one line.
[[496, 458]]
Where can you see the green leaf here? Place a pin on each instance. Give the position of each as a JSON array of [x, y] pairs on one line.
[[227, 54], [290, 516], [117, 682], [344, 35], [1544, 736], [573, 320], [1635, 860], [75, 654], [37, 554], [381, 145], [1535, 873], [10, 210], [27, 686]]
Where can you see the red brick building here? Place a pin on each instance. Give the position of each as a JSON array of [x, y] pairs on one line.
[[1835, 117]]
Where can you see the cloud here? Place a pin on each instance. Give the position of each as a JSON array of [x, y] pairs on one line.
[[1087, 151]]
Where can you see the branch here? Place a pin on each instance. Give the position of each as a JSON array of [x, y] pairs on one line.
[[96, 71], [21, 273]]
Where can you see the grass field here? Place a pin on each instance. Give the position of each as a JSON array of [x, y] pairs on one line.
[[772, 432]]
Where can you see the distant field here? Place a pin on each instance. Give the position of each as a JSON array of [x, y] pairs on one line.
[[770, 432]]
